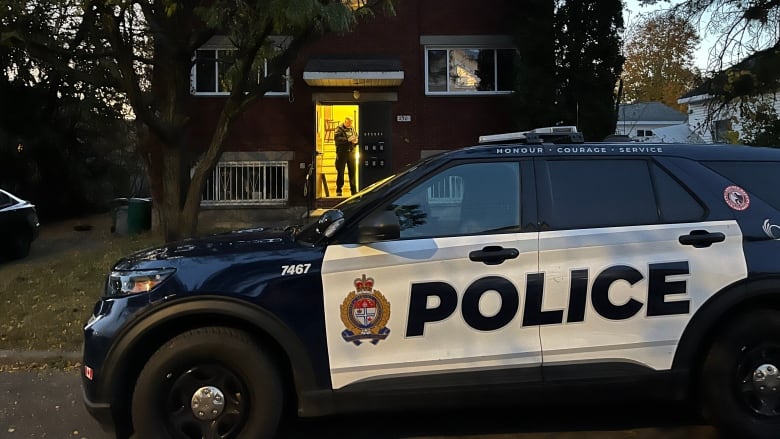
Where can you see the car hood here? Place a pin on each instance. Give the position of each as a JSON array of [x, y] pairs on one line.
[[223, 246]]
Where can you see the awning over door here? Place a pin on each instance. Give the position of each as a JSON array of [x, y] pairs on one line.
[[353, 72]]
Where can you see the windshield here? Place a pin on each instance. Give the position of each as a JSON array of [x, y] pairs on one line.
[[352, 205]]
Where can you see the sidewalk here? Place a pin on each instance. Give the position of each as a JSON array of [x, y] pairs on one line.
[[27, 357]]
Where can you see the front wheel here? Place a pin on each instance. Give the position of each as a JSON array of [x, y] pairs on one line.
[[19, 245], [208, 383], [740, 379]]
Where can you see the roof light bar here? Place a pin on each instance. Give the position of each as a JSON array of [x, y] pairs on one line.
[[522, 135]]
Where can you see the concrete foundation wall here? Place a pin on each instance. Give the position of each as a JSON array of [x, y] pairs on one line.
[[225, 219], [239, 218]]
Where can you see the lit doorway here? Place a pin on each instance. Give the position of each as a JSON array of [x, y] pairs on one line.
[[329, 117]]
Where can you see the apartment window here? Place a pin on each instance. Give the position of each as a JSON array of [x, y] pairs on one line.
[[210, 73], [468, 70], [239, 183], [721, 130]]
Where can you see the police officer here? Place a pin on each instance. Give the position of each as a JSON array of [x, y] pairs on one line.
[[345, 139]]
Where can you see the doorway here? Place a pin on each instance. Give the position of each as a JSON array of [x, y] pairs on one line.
[[329, 116]]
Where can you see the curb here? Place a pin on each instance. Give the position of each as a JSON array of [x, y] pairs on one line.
[[27, 357]]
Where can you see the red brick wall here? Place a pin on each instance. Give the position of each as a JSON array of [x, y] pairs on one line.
[[438, 122]]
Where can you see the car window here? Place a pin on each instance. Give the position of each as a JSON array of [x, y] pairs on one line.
[[759, 178], [599, 193], [470, 198], [675, 203]]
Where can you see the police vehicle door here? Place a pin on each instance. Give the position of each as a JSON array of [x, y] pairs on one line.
[[443, 297], [618, 282]]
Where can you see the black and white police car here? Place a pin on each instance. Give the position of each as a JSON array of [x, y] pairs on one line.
[[502, 272]]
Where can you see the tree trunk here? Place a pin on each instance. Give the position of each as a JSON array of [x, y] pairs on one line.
[[167, 173], [177, 195]]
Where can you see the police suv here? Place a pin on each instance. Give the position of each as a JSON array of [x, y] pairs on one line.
[[509, 271]]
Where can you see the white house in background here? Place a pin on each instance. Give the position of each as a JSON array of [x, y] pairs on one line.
[[680, 133], [641, 120], [711, 123]]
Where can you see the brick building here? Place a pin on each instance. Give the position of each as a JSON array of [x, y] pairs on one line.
[[435, 76]]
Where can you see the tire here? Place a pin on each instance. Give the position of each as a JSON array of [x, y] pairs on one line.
[[235, 384], [19, 244], [740, 382]]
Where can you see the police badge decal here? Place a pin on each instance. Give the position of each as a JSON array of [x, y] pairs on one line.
[[365, 312]]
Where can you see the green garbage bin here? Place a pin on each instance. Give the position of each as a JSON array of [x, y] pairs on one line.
[[139, 215]]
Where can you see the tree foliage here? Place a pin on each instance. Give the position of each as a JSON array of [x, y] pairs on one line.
[[746, 59], [56, 136], [568, 64], [590, 63], [659, 60], [760, 123], [144, 50], [744, 64], [535, 90]]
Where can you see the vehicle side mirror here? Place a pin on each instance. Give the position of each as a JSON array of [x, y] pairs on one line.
[[330, 222], [379, 226]]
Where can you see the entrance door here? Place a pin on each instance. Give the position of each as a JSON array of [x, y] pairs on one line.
[[329, 117], [375, 147]]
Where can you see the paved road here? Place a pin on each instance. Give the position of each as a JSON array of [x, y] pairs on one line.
[[47, 404]]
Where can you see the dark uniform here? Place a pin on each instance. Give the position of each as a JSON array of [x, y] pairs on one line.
[[344, 157]]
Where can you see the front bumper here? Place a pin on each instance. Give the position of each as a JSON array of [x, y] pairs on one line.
[[102, 378], [101, 412]]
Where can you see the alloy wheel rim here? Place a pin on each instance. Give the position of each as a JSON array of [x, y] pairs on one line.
[[206, 401], [759, 380]]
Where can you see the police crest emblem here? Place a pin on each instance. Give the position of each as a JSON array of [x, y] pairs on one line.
[[365, 312]]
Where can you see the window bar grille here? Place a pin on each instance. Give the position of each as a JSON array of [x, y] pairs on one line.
[[449, 190], [247, 183]]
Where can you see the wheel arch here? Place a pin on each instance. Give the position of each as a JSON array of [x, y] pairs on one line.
[[727, 304], [138, 342]]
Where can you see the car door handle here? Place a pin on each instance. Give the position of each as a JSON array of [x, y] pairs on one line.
[[493, 254], [701, 238]]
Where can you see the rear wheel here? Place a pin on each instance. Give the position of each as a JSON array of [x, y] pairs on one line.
[[208, 383], [740, 377]]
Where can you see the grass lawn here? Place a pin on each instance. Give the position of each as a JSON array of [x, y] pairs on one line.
[[46, 298]]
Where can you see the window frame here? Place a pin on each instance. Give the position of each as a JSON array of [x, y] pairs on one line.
[[194, 74], [252, 172], [527, 203], [448, 49], [721, 129]]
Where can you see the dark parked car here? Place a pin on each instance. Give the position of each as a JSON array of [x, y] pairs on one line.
[[525, 272], [18, 226]]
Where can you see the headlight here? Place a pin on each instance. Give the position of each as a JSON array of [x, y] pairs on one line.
[[122, 283]]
